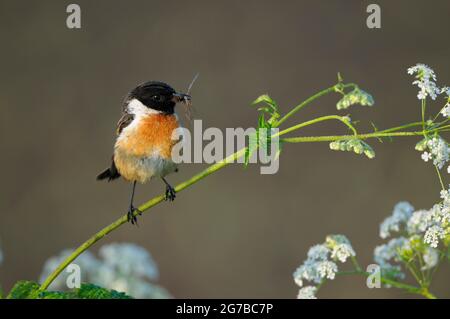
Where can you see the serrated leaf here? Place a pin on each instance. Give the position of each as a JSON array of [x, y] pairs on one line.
[[265, 98], [261, 121], [275, 116], [30, 290], [264, 138], [252, 147], [270, 107], [24, 290], [57, 295], [91, 291]]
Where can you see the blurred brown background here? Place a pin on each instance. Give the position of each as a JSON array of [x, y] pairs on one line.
[[236, 233]]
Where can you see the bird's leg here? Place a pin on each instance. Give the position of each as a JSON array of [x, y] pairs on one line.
[[131, 217], [170, 191]]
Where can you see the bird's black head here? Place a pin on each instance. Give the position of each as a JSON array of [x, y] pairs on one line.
[[158, 96]]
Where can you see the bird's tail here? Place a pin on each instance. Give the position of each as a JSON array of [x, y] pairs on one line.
[[110, 173]]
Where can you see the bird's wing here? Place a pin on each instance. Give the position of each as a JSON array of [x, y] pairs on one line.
[[124, 121]]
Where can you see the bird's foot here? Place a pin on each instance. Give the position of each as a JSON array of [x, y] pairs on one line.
[[130, 215], [170, 193]]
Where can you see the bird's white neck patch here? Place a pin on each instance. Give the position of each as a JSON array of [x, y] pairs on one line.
[[138, 109]]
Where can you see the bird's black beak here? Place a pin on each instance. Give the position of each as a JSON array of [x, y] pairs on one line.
[[181, 97]]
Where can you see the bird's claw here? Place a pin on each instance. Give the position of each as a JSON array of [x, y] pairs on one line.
[[131, 217], [170, 193]]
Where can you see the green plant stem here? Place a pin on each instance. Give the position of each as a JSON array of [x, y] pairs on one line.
[[122, 220], [232, 158], [402, 127], [208, 171], [421, 269], [409, 288], [211, 169], [441, 128], [355, 263], [317, 120], [331, 138], [414, 272], [417, 290], [311, 99], [440, 178], [442, 122], [155, 201], [442, 256], [423, 113]]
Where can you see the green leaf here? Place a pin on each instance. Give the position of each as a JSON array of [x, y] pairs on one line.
[[269, 106], [261, 139], [261, 121], [24, 290], [265, 98], [30, 290], [253, 143], [90, 291], [57, 295], [265, 141]]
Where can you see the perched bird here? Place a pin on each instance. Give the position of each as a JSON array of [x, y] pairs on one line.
[[143, 148]]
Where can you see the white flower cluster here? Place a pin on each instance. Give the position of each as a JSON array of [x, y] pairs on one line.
[[353, 145], [400, 215], [422, 228], [123, 267], [321, 263], [436, 150], [357, 96], [431, 258], [425, 80], [308, 292], [385, 254], [446, 109], [341, 248], [432, 224]]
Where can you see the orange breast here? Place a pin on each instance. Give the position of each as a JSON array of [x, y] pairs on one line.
[[150, 136]]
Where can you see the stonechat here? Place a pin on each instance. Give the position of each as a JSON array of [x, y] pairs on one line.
[[143, 147]]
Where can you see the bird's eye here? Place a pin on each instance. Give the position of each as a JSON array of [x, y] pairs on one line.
[[156, 97]]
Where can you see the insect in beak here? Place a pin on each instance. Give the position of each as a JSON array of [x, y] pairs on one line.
[[181, 97], [186, 100]]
